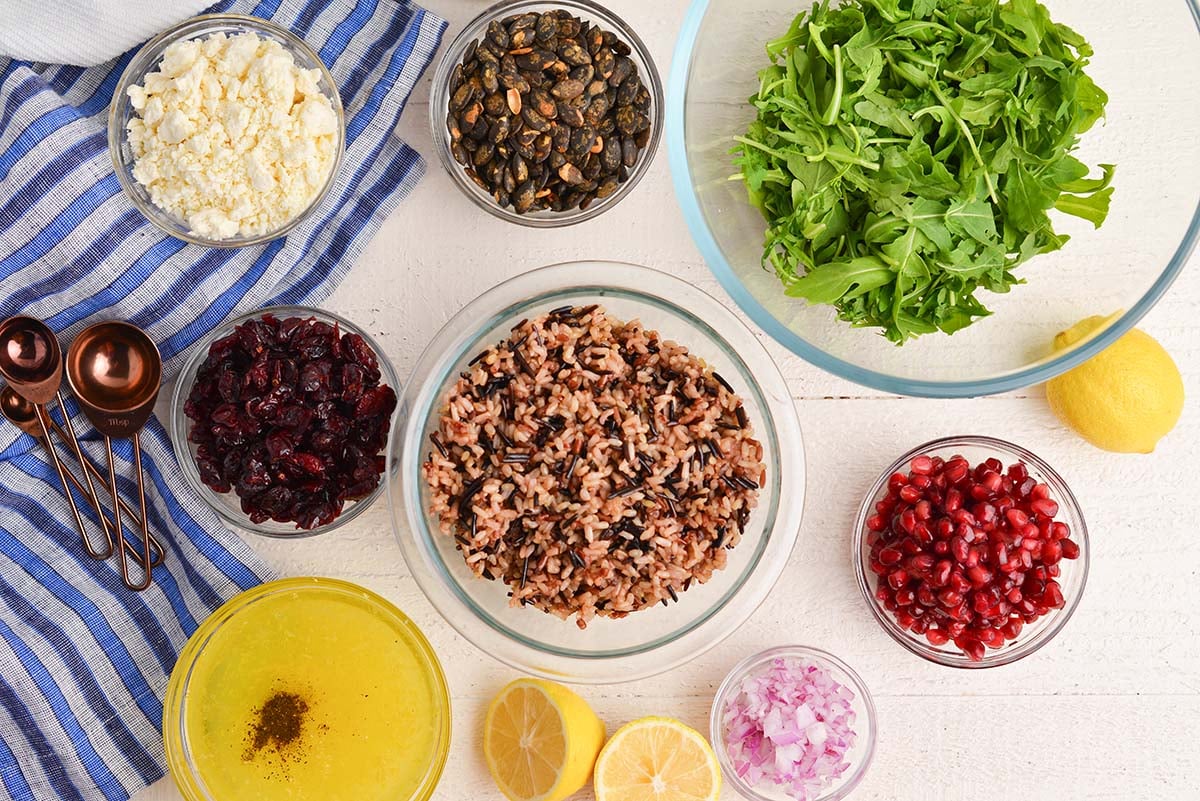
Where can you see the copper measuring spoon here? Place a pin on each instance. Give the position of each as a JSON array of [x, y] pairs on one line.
[[115, 370], [23, 415], [31, 362]]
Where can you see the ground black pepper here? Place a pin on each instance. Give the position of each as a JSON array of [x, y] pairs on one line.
[[278, 724]]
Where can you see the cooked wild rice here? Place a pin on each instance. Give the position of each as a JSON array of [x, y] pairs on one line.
[[592, 467]]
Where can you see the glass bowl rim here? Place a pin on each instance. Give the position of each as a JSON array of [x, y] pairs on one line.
[[992, 658], [178, 755], [183, 452], [721, 268], [743, 669], [437, 118], [135, 70], [418, 541]]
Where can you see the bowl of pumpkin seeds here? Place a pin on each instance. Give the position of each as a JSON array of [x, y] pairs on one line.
[[546, 113]]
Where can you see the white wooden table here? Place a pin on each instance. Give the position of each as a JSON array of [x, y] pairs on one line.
[[1109, 710]]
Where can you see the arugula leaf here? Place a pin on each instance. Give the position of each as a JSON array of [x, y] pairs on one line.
[[908, 153]]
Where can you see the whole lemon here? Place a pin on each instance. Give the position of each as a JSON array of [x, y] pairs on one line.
[[1123, 399]]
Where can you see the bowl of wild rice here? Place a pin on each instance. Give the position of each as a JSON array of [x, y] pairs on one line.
[[596, 472]]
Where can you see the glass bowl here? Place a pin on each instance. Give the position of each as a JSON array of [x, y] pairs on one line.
[[292, 638], [227, 504], [860, 755], [147, 60], [1072, 579], [439, 102], [652, 640], [1124, 267]]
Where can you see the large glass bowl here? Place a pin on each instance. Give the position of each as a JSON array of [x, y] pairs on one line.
[[1147, 56], [147, 60], [1073, 578], [652, 640], [227, 504], [475, 30]]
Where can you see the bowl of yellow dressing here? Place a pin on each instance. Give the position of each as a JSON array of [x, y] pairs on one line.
[[307, 689]]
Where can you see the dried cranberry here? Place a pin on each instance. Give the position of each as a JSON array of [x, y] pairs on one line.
[[966, 554], [292, 416]]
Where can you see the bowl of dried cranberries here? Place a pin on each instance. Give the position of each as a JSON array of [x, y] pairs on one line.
[[971, 552], [280, 418]]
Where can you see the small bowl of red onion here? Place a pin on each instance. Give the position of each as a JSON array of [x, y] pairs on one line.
[[793, 724], [971, 552]]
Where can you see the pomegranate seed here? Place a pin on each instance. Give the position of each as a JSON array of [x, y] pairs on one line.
[[882, 593], [937, 637], [923, 510], [1051, 552], [897, 579], [920, 625], [878, 568], [905, 619], [941, 573], [920, 564], [992, 638], [941, 547], [890, 556], [1018, 472], [1016, 518], [956, 628], [1070, 549], [957, 470], [1012, 629], [876, 523], [897, 481], [959, 549], [922, 534], [920, 482], [910, 494], [1054, 570], [1053, 596], [908, 520], [905, 597], [925, 596], [993, 464], [1039, 491], [949, 598], [1044, 507], [921, 465], [953, 500], [943, 528], [979, 575], [971, 647], [1059, 530]]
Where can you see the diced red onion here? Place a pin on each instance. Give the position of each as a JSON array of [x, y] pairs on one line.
[[790, 726]]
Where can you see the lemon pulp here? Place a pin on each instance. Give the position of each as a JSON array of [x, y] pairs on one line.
[[373, 722]]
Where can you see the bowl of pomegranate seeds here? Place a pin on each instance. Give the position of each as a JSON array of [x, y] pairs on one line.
[[279, 420], [971, 551]]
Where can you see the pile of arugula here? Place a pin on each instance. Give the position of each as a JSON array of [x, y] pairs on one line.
[[906, 153]]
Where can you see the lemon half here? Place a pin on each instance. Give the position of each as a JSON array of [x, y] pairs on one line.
[[657, 759], [540, 741]]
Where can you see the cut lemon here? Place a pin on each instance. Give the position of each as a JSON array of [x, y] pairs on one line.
[[540, 741], [657, 759]]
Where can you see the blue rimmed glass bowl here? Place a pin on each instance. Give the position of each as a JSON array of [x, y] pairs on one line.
[[652, 640], [1147, 56]]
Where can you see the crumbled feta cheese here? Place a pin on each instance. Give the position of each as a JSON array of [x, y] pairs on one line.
[[231, 135]]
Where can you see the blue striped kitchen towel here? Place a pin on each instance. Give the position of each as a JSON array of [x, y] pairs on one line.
[[84, 662]]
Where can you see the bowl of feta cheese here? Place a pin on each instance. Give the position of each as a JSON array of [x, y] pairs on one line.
[[226, 130]]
